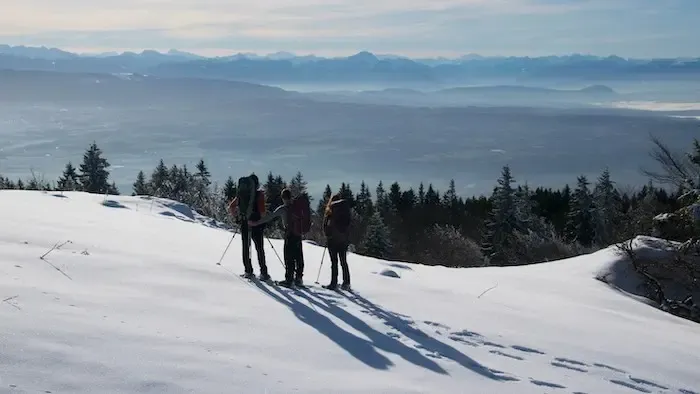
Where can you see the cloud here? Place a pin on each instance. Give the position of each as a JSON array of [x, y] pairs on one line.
[[322, 26]]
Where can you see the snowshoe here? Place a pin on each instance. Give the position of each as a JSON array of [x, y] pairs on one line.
[[299, 283], [285, 283], [265, 278]]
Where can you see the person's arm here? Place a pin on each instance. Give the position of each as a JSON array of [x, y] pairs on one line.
[[281, 210]]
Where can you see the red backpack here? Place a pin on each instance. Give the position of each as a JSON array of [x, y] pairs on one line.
[[299, 215]]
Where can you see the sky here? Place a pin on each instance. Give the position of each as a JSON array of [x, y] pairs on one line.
[[417, 28]]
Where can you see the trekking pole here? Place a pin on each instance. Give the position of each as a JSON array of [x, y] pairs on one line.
[[319, 268], [278, 256], [227, 246]]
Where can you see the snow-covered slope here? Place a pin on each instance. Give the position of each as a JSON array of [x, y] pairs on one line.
[[143, 307]]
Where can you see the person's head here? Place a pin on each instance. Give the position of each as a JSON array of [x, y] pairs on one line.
[[286, 196], [334, 198]]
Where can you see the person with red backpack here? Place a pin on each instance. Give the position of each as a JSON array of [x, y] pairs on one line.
[[336, 223], [296, 221], [249, 204]]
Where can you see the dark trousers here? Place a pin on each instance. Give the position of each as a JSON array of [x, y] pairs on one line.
[[339, 252], [293, 258], [256, 234]]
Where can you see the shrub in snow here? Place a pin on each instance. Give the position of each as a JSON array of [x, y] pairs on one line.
[[445, 245], [535, 248]]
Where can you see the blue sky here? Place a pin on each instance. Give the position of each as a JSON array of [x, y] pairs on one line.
[[629, 28]]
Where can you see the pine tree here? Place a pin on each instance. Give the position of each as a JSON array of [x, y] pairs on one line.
[[230, 189], [502, 222], [203, 173], [327, 194], [69, 180], [364, 205], [377, 240], [607, 209], [298, 185], [580, 226], [94, 176], [159, 185], [201, 185], [140, 186]]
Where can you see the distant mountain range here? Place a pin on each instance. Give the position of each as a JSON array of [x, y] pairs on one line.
[[284, 67]]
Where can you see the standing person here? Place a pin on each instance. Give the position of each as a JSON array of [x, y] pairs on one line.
[[296, 221], [249, 204], [336, 225]]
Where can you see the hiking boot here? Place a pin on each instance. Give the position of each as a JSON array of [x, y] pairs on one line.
[[248, 275], [298, 282], [331, 286], [264, 277], [286, 283], [346, 286]]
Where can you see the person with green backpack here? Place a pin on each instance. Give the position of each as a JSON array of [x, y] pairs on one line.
[[249, 204]]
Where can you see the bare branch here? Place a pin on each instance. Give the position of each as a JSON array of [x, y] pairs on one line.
[[675, 168]]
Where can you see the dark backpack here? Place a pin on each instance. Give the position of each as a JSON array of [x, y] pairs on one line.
[[299, 215], [341, 215], [246, 193]]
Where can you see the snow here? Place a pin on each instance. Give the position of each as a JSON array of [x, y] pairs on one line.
[[144, 308]]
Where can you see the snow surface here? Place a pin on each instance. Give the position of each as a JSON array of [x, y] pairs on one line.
[[143, 307]]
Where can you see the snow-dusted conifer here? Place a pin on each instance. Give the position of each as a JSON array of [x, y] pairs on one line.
[[579, 225], [377, 240], [607, 209], [68, 181], [503, 220]]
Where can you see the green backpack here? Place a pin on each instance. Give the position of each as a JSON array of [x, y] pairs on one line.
[[246, 196]]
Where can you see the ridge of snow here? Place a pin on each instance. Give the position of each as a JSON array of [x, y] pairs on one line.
[[143, 308]]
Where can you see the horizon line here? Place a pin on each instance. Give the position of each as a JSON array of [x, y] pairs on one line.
[[94, 52]]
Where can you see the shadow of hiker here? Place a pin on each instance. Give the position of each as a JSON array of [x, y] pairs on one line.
[[421, 338], [359, 348], [379, 340]]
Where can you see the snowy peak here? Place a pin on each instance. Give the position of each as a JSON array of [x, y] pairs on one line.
[[124, 294]]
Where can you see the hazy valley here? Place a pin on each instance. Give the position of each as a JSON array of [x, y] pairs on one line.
[[393, 135]]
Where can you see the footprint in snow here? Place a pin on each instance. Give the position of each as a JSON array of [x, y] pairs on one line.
[[567, 366], [462, 340], [599, 365], [648, 383], [393, 335], [546, 384], [570, 361], [500, 353], [630, 385], [435, 324], [494, 344], [526, 349]]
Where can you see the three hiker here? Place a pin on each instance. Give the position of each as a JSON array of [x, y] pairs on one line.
[[336, 223], [250, 205], [296, 222]]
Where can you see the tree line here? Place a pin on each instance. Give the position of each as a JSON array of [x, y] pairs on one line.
[[515, 225]]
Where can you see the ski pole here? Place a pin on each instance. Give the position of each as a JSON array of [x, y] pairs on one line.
[[227, 246], [278, 256], [321, 266]]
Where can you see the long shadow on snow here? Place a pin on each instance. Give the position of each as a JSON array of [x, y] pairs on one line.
[[361, 349], [421, 338]]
